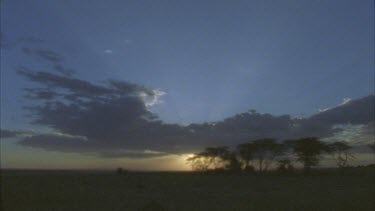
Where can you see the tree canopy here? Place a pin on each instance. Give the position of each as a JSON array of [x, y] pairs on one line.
[[308, 150]]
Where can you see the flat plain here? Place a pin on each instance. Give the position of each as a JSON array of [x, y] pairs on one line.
[[107, 190]]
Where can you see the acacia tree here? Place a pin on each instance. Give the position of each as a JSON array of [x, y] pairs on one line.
[[232, 163], [212, 158], [341, 154], [308, 151], [264, 151], [198, 162], [245, 152]]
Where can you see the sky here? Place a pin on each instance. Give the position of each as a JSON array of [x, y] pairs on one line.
[[98, 84]]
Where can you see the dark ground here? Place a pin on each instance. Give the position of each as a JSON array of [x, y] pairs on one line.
[[85, 190]]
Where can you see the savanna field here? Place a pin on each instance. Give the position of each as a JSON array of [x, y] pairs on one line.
[[107, 190]]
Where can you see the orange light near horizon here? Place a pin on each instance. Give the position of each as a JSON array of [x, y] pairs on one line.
[[182, 162]]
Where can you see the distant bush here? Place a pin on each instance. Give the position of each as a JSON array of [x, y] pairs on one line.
[[122, 171], [285, 166]]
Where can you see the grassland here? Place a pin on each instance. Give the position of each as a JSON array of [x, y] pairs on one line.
[[84, 190]]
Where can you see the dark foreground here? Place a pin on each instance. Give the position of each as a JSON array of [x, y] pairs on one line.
[[79, 190]]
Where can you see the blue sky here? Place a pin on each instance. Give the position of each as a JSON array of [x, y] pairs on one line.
[[212, 59]]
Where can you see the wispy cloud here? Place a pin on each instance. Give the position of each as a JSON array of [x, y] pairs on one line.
[[345, 101], [323, 109], [108, 51], [151, 100], [4, 133]]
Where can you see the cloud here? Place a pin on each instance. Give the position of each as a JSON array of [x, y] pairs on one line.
[[108, 51], [356, 135], [61, 142], [120, 153], [23, 44], [53, 58], [329, 123], [57, 142], [47, 55], [4, 133], [323, 109], [79, 88], [111, 115], [68, 102], [153, 99], [345, 101], [64, 71], [359, 111], [112, 119], [40, 94]]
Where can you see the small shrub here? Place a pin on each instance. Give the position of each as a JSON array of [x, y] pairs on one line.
[[122, 171]]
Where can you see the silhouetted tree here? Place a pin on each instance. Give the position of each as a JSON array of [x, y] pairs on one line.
[[264, 151], [308, 151], [199, 162], [232, 163], [211, 158], [245, 152], [341, 154]]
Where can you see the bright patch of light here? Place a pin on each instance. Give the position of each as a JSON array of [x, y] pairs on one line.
[[56, 133], [152, 152], [355, 135], [323, 110], [345, 101], [154, 99]]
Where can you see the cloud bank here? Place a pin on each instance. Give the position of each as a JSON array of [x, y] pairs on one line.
[[112, 120]]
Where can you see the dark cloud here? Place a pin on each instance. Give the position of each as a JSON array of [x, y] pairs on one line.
[[40, 94], [359, 111], [53, 58], [77, 97], [4, 133], [58, 142], [355, 112], [111, 115], [243, 127], [111, 120], [23, 43], [355, 134], [72, 85], [66, 72], [78, 144], [130, 153]]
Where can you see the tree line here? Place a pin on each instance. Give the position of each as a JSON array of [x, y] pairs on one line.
[[258, 155]]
